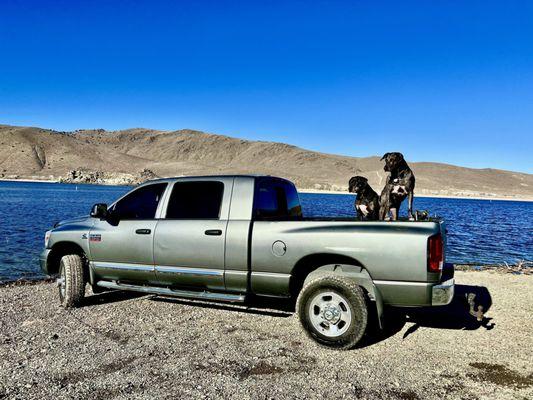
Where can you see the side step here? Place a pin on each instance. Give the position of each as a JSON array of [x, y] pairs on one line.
[[232, 298]]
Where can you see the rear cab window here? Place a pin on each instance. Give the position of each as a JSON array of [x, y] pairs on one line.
[[276, 199], [195, 200]]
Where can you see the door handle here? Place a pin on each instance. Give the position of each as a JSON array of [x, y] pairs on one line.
[[143, 231], [213, 232]]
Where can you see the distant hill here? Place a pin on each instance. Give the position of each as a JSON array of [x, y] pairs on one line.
[[46, 154]]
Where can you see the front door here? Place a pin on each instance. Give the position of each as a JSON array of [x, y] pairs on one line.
[[190, 238], [121, 247]]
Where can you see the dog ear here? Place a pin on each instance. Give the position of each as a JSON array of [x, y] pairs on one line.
[[384, 156], [363, 179], [400, 156]]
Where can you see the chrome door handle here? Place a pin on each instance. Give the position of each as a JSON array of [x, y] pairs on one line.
[[143, 231], [213, 232]]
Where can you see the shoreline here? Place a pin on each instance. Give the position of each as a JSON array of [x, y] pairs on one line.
[[303, 190], [429, 196]]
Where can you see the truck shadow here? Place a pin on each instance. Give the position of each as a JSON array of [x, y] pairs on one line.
[[268, 307], [112, 296], [460, 314]]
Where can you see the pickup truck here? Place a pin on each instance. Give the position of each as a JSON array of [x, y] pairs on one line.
[[236, 237]]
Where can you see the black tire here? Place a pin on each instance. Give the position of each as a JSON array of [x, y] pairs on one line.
[[71, 281], [354, 305]]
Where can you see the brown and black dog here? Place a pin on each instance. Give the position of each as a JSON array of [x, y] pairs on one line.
[[400, 184], [367, 201]]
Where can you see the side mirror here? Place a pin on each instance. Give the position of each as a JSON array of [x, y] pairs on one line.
[[99, 210]]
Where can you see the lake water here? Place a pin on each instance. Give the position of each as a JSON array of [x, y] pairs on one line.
[[480, 231]]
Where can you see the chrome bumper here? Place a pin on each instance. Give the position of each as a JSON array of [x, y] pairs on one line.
[[442, 294]]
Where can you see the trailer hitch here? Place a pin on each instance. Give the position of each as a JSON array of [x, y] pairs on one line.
[[477, 313]]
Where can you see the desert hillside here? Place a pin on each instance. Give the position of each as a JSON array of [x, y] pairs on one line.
[[36, 153]]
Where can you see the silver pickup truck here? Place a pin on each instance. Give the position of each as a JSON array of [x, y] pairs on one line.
[[233, 238]]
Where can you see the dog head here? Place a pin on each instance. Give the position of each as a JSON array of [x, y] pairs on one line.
[[392, 161], [357, 183]]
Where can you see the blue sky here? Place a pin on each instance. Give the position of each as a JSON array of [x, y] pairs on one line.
[[439, 81]]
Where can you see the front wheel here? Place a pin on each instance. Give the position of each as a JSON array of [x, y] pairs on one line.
[[332, 309], [71, 281]]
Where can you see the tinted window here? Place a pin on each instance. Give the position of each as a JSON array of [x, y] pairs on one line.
[[276, 199], [141, 203], [294, 209], [195, 200]]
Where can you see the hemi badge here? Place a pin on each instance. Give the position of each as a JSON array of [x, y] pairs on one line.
[[95, 238]]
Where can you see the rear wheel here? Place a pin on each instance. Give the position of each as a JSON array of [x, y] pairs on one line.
[[333, 311], [71, 281]]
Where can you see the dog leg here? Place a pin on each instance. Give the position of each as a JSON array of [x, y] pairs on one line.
[[394, 212], [410, 204], [383, 213]]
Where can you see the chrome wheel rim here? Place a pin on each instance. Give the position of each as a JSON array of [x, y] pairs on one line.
[[330, 314], [62, 282]]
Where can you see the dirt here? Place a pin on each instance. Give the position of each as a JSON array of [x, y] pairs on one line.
[[502, 375], [132, 346]]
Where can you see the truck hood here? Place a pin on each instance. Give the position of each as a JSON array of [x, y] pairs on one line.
[[72, 221]]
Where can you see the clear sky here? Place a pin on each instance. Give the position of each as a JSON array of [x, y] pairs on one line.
[[448, 81]]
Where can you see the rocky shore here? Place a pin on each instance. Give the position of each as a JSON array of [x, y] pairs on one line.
[[123, 345], [107, 178]]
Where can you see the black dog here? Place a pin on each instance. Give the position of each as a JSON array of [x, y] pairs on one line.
[[367, 201], [400, 184]]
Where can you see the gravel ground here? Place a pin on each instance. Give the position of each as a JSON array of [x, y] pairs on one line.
[[129, 346]]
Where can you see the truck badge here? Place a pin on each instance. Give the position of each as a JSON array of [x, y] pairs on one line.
[[95, 237]]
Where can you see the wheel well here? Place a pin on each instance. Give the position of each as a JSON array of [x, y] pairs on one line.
[[309, 263], [61, 249]]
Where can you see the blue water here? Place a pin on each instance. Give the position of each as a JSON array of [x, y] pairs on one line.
[[480, 231]]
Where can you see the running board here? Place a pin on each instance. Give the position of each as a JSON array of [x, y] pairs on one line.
[[232, 298]]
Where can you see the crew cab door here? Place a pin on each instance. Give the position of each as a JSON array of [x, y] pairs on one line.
[[189, 239], [121, 248]]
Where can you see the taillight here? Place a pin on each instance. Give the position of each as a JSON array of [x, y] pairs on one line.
[[435, 253]]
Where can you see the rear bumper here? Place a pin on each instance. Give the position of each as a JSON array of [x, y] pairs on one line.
[[43, 260], [419, 294], [442, 294]]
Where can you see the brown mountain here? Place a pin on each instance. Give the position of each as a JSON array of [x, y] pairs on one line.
[[46, 154]]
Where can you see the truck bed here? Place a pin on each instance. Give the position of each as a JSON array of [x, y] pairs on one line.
[[355, 219]]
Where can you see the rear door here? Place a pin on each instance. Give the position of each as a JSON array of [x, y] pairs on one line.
[[121, 248], [189, 240]]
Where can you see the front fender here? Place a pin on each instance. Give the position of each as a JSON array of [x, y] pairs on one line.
[[358, 275]]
